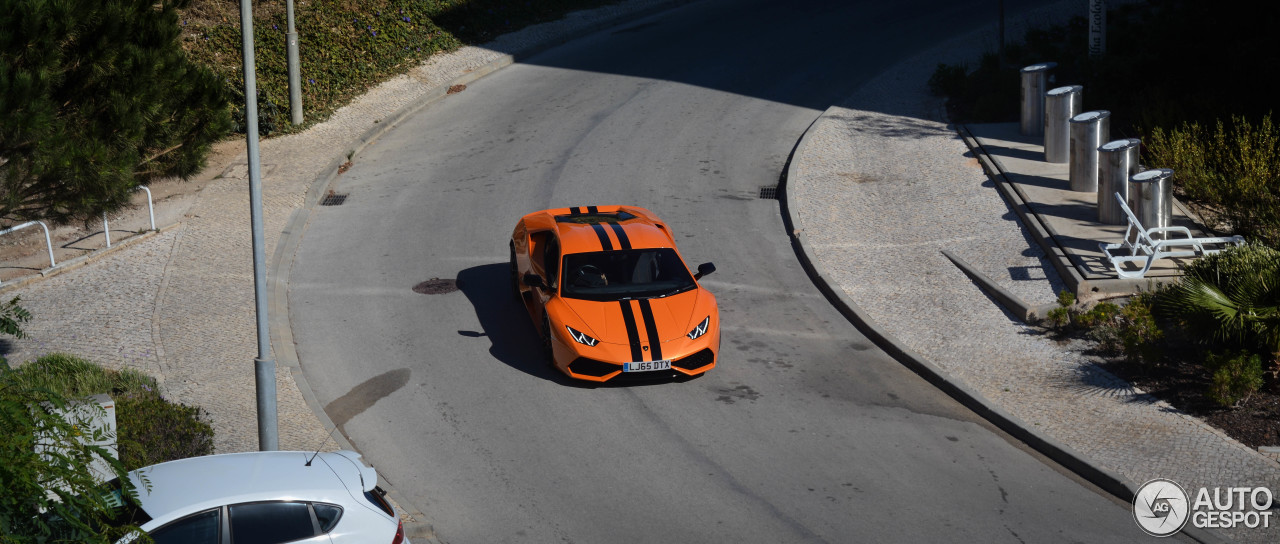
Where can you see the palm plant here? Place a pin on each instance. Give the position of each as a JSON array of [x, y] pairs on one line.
[[1235, 295]]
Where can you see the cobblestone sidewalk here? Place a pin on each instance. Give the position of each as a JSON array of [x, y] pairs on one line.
[[883, 187]]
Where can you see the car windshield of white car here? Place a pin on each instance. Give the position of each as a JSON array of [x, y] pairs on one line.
[[625, 274]]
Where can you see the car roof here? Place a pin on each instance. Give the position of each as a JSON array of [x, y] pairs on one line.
[[580, 229], [197, 483]]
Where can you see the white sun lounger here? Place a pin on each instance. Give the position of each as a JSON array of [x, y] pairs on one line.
[[1144, 249]]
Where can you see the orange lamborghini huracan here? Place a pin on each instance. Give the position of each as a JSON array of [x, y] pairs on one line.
[[610, 295]]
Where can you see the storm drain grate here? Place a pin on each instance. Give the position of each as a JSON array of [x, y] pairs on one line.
[[436, 286], [769, 193], [334, 199]]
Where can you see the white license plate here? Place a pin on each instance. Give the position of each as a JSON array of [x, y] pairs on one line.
[[647, 366]]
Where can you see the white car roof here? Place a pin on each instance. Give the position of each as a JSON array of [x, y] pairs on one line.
[[194, 484]]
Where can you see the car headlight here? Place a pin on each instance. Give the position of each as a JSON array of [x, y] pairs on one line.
[[581, 337], [701, 329]]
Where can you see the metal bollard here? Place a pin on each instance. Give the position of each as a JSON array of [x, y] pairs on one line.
[[1151, 198], [1033, 88], [1088, 131], [1060, 105], [1117, 162]]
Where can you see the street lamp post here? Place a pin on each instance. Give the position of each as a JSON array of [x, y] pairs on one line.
[[295, 72], [264, 365]]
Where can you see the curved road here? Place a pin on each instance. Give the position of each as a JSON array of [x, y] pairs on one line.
[[804, 433]]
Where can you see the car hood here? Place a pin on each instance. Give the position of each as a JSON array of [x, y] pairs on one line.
[[606, 321]]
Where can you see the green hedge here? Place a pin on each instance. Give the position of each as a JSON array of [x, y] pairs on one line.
[[149, 429], [347, 47]]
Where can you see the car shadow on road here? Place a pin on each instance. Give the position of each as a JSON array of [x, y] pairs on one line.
[[513, 339]]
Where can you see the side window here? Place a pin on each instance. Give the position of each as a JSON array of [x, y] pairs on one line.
[[201, 528], [553, 261], [270, 522], [538, 247], [327, 515]]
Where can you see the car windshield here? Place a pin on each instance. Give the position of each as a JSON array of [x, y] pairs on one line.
[[617, 275]]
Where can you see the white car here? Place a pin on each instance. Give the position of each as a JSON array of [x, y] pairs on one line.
[[269, 497]]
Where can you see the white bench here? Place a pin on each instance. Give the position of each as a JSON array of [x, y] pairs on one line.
[[1144, 249]]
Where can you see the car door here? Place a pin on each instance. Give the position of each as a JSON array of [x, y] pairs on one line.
[[544, 259], [277, 522]]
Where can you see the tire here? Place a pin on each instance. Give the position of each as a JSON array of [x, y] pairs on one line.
[[515, 275]]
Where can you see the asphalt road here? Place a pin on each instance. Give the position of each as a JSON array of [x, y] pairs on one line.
[[805, 432]]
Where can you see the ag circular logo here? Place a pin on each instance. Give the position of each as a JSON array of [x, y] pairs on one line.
[[1161, 507]]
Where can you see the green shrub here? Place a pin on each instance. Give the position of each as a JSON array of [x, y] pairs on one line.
[[1231, 297], [1139, 334], [1101, 313], [159, 431], [1235, 170], [1235, 377], [345, 47], [149, 428], [50, 494], [12, 316], [73, 377], [1130, 329]]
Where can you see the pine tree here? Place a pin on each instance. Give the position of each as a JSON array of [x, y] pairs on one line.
[[96, 98]]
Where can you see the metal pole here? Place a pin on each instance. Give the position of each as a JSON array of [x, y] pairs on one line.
[[264, 366], [1033, 88], [106, 230], [295, 71], [151, 209]]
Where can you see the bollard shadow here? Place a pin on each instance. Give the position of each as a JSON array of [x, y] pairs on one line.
[[1039, 181], [1013, 152], [72, 244]]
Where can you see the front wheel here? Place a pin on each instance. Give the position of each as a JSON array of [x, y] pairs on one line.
[[515, 275]]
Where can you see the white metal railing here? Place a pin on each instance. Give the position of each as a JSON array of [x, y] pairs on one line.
[[48, 242], [151, 212], [106, 228]]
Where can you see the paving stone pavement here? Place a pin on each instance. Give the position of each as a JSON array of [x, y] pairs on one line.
[[883, 185]]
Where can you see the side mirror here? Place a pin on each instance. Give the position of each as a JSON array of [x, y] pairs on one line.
[[704, 269], [534, 280]]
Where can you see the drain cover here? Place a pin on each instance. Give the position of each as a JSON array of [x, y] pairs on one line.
[[769, 193], [334, 199], [436, 286]]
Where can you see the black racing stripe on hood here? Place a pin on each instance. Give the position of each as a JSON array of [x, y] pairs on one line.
[[655, 342], [575, 211], [593, 209], [604, 237], [633, 333], [623, 241]]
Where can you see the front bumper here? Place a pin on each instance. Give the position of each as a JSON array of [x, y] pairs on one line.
[[603, 362]]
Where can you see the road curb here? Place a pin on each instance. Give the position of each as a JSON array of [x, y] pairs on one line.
[[281, 333], [1105, 479]]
